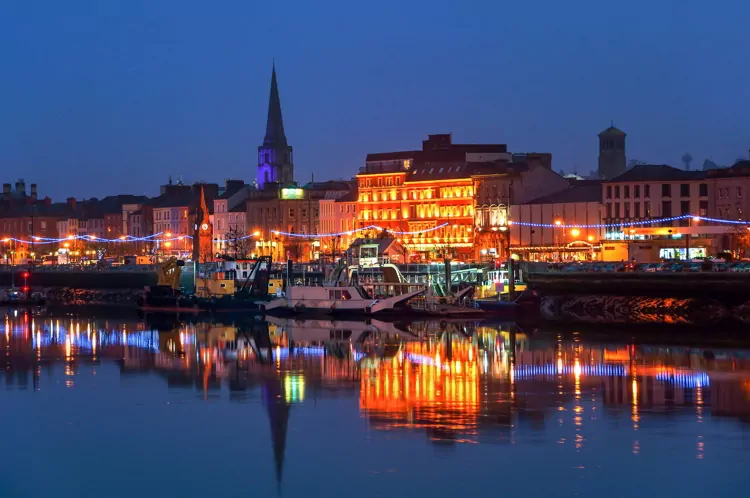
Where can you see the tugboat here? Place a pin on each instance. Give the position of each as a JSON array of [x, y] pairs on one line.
[[219, 295], [166, 294]]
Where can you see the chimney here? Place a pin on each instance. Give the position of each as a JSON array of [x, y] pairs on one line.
[[33, 191], [71, 202], [20, 187], [6, 190]]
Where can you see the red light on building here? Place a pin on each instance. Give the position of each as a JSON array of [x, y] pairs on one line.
[[25, 274]]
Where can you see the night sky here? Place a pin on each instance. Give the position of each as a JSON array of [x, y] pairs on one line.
[[102, 97]]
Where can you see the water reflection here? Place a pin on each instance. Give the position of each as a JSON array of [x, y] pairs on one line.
[[452, 383]]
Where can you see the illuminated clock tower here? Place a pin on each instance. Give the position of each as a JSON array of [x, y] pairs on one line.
[[203, 233]]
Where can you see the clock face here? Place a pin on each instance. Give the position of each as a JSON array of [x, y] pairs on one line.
[[204, 227]]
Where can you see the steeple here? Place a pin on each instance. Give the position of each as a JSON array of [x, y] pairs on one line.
[[275, 158], [275, 123]]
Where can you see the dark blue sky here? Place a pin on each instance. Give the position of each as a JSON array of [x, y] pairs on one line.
[[103, 97]]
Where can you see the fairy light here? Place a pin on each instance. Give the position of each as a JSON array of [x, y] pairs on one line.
[[167, 236], [350, 232], [632, 223]]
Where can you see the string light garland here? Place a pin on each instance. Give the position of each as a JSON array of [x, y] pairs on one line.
[[350, 232], [633, 223], [93, 238], [160, 236]]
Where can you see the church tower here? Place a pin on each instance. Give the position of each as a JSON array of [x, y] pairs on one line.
[[611, 153], [275, 162]]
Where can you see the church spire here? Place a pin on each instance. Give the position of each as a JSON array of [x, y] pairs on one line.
[[275, 124]]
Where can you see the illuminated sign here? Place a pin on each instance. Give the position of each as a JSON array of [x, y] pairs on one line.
[[292, 193]]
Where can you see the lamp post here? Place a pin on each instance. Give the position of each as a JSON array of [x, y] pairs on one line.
[[556, 238]]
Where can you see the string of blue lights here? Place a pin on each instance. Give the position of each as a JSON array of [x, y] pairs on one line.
[[557, 225]]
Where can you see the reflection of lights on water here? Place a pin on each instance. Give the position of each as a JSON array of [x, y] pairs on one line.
[[596, 370], [67, 346], [93, 343], [437, 360], [576, 370], [636, 417], [294, 388], [559, 366], [684, 379]]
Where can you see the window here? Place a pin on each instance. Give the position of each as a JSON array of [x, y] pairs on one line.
[[703, 208], [637, 209], [685, 207], [647, 191], [304, 213], [617, 192], [609, 191], [291, 212], [637, 192], [380, 182], [617, 210], [666, 209], [739, 192], [627, 209], [703, 190], [389, 181], [666, 190], [627, 191], [685, 190], [609, 210]]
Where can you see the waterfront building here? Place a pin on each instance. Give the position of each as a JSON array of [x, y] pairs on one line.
[[338, 216], [25, 220], [286, 219], [174, 214], [543, 232], [497, 186], [229, 215], [427, 197], [648, 192]]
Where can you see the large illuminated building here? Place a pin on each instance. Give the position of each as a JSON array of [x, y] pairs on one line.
[[426, 191], [428, 197]]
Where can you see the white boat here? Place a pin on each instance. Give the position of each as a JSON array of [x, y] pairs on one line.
[[321, 330], [344, 299]]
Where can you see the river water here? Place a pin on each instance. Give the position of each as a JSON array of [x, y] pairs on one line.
[[121, 407]]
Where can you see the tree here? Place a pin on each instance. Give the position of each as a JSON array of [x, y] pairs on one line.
[[743, 241], [296, 248], [238, 243]]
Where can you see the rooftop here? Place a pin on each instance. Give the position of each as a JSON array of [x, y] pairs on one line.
[[656, 173], [579, 191]]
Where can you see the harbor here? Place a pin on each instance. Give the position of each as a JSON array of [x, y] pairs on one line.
[[457, 396]]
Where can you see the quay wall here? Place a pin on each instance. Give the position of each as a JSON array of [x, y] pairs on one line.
[[701, 299]]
